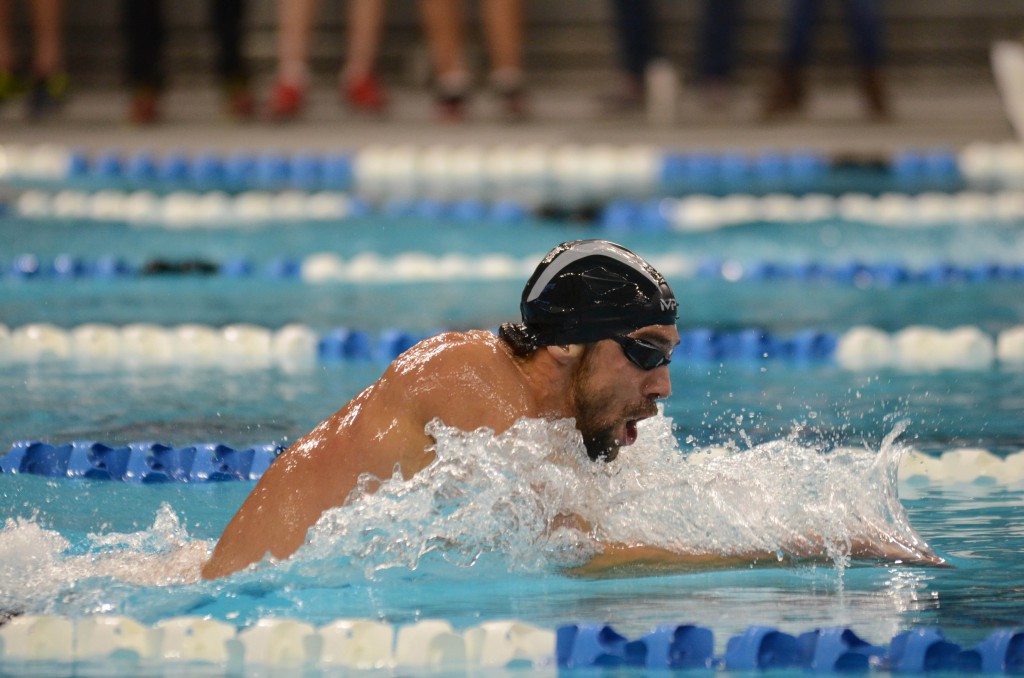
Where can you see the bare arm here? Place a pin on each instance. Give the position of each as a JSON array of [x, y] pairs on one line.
[[620, 560]]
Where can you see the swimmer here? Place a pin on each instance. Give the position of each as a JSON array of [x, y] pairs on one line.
[[597, 334]]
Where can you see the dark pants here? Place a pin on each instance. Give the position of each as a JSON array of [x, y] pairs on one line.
[[863, 20], [145, 35], [634, 29], [635, 23], [716, 53]]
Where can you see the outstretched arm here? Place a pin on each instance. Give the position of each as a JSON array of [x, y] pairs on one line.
[[619, 560]]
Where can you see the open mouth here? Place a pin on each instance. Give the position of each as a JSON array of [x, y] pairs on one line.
[[630, 437]]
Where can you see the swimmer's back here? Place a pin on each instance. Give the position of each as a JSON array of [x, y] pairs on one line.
[[467, 380]]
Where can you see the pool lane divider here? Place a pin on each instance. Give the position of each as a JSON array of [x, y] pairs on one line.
[[692, 213], [210, 462], [915, 348], [326, 267], [139, 462], [435, 645], [558, 171]]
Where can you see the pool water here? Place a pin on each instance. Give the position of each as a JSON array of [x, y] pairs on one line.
[[78, 547]]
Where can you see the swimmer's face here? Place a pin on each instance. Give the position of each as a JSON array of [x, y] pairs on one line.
[[610, 393]]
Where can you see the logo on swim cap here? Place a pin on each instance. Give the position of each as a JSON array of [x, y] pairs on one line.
[[587, 290]]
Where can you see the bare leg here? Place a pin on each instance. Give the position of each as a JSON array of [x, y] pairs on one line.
[[294, 22], [295, 19], [365, 19], [49, 82], [443, 21], [503, 23], [6, 49], [358, 84], [47, 20]]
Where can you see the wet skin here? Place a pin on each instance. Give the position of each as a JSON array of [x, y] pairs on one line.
[[472, 380], [468, 380]]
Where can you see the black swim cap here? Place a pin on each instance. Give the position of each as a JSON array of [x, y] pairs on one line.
[[587, 290]]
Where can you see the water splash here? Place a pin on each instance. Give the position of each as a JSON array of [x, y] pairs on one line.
[[526, 501], [516, 494], [43, 571]]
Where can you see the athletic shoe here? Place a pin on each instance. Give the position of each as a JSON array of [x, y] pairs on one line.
[[365, 95], [144, 108], [286, 101]]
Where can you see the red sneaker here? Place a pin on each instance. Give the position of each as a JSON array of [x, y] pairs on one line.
[[366, 95], [238, 101], [286, 101], [145, 106]]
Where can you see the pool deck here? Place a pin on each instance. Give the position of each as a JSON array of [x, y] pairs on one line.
[[926, 115]]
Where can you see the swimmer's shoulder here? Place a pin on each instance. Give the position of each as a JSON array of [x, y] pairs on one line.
[[470, 350], [469, 372]]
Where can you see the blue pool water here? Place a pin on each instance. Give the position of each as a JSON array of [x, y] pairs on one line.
[[77, 547]]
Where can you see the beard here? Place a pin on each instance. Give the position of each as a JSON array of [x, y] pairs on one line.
[[594, 410]]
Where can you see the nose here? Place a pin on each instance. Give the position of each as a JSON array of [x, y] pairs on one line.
[[658, 384]]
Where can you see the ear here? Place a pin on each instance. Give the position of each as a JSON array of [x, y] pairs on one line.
[[566, 353]]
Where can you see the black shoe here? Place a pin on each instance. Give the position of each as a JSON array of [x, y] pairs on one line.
[[47, 95]]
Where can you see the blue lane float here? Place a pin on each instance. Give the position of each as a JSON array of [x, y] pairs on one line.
[[762, 648], [104, 643], [207, 170], [139, 462], [244, 346], [882, 274], [611, 171]]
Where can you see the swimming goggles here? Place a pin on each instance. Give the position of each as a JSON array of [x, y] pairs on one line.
[[643, 354]]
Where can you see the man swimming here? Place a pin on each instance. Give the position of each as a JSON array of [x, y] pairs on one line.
[[598, 331]]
